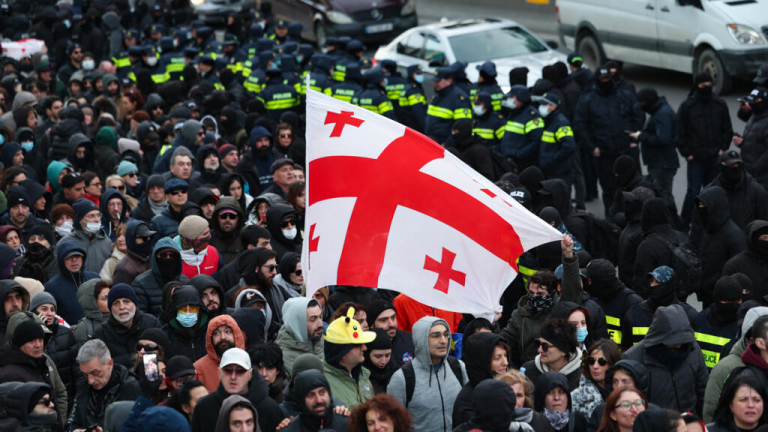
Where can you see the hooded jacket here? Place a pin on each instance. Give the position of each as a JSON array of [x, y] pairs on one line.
[[280, 244], [270, 414], [132, 264], [149, 285], [292, 337], [93, 318], [283, 278], [477, 353], [98, 246], [19, 367], [106, 220], [229, 245], [493, 404], [87, 163], [202, 176], [62, 348], [24, 396], [203, 281], [189, 342], [551, 380], [639, 376], [6, 287], [121, 340], [208, 367], [682, 387], [59, 138], [185, 138], [307, 421], [230, 403], [747, 198], [613, 297], [753, 262], [64, 286], [273, 294], [432, 383], [269, 321]]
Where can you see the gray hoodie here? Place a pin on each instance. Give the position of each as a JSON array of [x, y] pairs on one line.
[[249, 293], [292, 337], [434, 391], [19, 100]]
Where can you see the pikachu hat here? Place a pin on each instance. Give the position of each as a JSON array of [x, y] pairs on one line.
[[346, 330]]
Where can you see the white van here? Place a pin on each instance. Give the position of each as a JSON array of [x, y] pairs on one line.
[[727, 38]]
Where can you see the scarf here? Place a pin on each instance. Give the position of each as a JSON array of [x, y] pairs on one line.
[[521, 420], [157, 208], [557, 420]]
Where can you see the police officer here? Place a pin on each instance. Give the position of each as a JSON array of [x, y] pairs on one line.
[[207, 43], [448, 105], [171, 60], [716, 325], [294, 32], [206, 67], [231, 57], [413, 103], [524, 128], [396, 84], [486, 83], [352, 53], [121, 60], [557, 142], [256, 80], [320, 75], [254, 60], [303, 59], [611, 295], [489, 124], [663, 292], [151, 62], [135, 54], [374, 97], [276, 96], [351, 86], [156, 32], [256, 43], [460, 80], [280, 33]]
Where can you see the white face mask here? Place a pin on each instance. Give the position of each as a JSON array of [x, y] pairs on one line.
[[479, 110], [290, 234], [93, 227], [65, 229], [544, 110], [151, 60], [509, 103], [88, 64]]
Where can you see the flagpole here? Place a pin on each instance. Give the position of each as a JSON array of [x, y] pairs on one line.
[[306, 184]]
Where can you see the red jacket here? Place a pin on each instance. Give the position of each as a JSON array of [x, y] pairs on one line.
[[409, 311], [209, 266]]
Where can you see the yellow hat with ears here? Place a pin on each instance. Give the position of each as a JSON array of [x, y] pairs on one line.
[[346, 330]]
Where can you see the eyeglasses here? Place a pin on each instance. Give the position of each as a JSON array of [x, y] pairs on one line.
[[271, 268], [602, 361], [178, 192], [147, 347], [626, 405], [544, 346], [45, 402], [231, 216], [285, 223], [297, 272]]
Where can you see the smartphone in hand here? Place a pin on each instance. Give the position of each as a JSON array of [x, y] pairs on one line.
[[150, 367]]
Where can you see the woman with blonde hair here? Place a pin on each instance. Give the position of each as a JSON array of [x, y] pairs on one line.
[[119, 250], [525, 418]]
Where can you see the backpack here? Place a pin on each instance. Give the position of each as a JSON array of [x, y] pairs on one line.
[[410, 377], [686, 264], [603, 238]]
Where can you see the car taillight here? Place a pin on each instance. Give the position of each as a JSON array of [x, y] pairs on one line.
[[557, 13], [373, 62]]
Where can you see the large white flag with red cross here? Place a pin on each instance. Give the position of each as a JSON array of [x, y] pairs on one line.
[[389, 208]]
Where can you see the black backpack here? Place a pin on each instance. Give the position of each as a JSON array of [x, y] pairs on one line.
[[410, 377], [686, 264]]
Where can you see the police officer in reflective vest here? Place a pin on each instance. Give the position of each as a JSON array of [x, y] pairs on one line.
[[557, 142], [664, 285], [320, 75], [489, 124], [522, 133], [448, 105], [396, 84], [486, 83], [608, 291], [716, 325], [276, 96], [413, 103], [374, 97], [348, 89]]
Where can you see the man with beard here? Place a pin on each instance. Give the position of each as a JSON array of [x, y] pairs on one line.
[[126, 323], [138, 240], [382, 314], [208, 166], [211, 294], [313, 393], [223, 334], [260, 272], [227, 223], [206, 199], [38, 262], [19, 211], [229, 157], [302, 332]]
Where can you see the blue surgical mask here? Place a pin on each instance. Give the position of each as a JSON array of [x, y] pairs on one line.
[[299, 58], [581, 334], [386, 82], [186, 319], [28, 146], [2, 139], [419, 78]]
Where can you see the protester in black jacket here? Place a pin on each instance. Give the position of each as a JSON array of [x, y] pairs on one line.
[[754, 144], [472, 149], [479, 356], [657, 138], [747, 198], [704, 132], [493, 405], [753, 262], [186, 329], [721, 239], [62, 346], [632, 234]]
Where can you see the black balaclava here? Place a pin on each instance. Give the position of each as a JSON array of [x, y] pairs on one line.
[[759, 246], [626, 168], [550, 215], [605, 87], [531, 179], [647, 98], [732, 175], [654, 214], [705, 92], [664, 293], [464, 133], [169, 268], [727, 289]]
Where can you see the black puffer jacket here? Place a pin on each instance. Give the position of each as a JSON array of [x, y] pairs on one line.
[[59, 138], [753, 262], [189, 342], [62, 349], [555, 193], [476, 355], [120, 340], [754, 149], [658, 137], [703, 127], [149, 285], [721, 238], [280, 244]]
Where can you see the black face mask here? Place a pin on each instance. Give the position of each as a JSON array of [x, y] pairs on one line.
[[705, 92], [144, 250], [662, 295], [37, 252], [605, 87], [759, 107], [725, 312], [732, 175], [702, 214], [170, 267]]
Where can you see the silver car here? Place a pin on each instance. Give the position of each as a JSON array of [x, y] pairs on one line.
[[475, 41]]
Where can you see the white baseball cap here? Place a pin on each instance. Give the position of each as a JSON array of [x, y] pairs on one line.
[[235, 356]]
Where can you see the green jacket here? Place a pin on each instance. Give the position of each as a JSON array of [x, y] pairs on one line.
[[292, 347], [344, 387], [718, 376]]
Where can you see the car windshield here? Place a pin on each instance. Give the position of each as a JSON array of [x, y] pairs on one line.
[[494, 44]]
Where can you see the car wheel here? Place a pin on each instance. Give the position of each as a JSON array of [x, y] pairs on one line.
[[321, 34], [709, 62], [591, 51]]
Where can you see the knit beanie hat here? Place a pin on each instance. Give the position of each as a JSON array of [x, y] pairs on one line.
[[17, 195], [374, 309], [126, 167], [306, 362], [564, 342], [727, 288], [157, 336], [42, 298], [122, 291], [155, 180], [225, 150], [61, 210], [382, 341], [27, 331], [192, 226]]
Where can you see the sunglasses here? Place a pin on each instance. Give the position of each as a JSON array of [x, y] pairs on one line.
[[285, 223], [297, 272], [237, 371], [45, 402], [121, 188], [285, 135], [271, 268], [231, 216], [602, 361], [147, 348], [131, 174], [544, 346], [99, 184], [201, 134], [178, 192]]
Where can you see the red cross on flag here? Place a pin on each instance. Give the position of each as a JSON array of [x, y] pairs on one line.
[[389, 208]]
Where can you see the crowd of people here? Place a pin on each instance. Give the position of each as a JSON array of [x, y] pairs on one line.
[[152, 208]]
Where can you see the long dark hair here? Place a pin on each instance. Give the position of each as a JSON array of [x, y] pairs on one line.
[[723, 415], [608, 347]]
